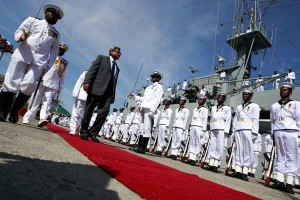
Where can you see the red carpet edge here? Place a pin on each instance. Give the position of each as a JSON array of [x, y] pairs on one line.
[[147, 178]]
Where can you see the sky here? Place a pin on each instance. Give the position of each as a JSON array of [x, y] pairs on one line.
[[165, 35]]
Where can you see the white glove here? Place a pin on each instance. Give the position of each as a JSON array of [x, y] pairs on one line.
[[254, 136], [151, 114]]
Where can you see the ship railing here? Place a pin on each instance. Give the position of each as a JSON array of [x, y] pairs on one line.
[[254, 86]]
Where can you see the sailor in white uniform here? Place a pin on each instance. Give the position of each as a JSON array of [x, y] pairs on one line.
[[149, 104], [163, 127], [110, 122], [197, 130], [285, 129], [290, 78], [127, 124], [275, 83], [219, 125], [116, 127], [78, 108], [260, 84], [52, 83], [179, 126], [246, 126], [38, 49]]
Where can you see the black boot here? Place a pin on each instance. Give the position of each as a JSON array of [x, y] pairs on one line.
[[278, 185], [289, 189], [244, 177], [6, 99], [18, 104]]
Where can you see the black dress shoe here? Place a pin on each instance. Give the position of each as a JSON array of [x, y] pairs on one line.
[[188, 161], [297, 186], [133, 148], [210, 168], [215, 169], [141, 150], [236, 175], [174, 157], [158, 153], [3, 116], [13, 119], [84, 137], [278, 186], [193, 163], [289, 189], [93, 137], [244, 177], [170, 156]]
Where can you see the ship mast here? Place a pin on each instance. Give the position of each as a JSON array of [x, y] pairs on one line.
[[246, 42]]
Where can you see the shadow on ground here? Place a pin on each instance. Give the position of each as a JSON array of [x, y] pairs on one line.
[[26, 178]]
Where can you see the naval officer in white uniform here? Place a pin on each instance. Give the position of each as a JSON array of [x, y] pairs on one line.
[[163, 126], [38, 49], [246, 126], [149, 104], [285, 129], [52, 84], [197, 130], [78, 108], [219, 125], [179, 126]]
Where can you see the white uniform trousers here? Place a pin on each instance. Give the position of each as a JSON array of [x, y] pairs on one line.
[[101, 132], [177, 138], [146, 121], [107, 130], [254, 162], [244, 150], [195, 137], [216, 147], [287, 153], [44, 95], [162, 134], [77, 114], [21, 76], [134, 132], [125, 129], [115, 134]]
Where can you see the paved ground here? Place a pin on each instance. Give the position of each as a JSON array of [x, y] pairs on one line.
[[38, 164]]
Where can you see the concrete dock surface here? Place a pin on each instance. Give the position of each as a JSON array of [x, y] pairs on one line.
[[36, 163]]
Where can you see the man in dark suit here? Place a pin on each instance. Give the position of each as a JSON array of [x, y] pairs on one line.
[[100, 84]]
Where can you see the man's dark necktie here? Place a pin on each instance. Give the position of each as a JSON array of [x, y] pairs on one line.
[[112, 72]]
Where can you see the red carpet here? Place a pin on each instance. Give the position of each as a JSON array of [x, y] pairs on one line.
[[147, 178]]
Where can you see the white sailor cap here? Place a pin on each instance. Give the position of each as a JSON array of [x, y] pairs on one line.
[[221, 59], [155, 72], [63, 46], [201, 96], [183, 98], [222, 94], [167, 99], [248, 90], [288, 85], [54, 8]]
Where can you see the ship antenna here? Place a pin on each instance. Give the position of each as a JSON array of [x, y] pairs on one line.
[[213, 57]]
